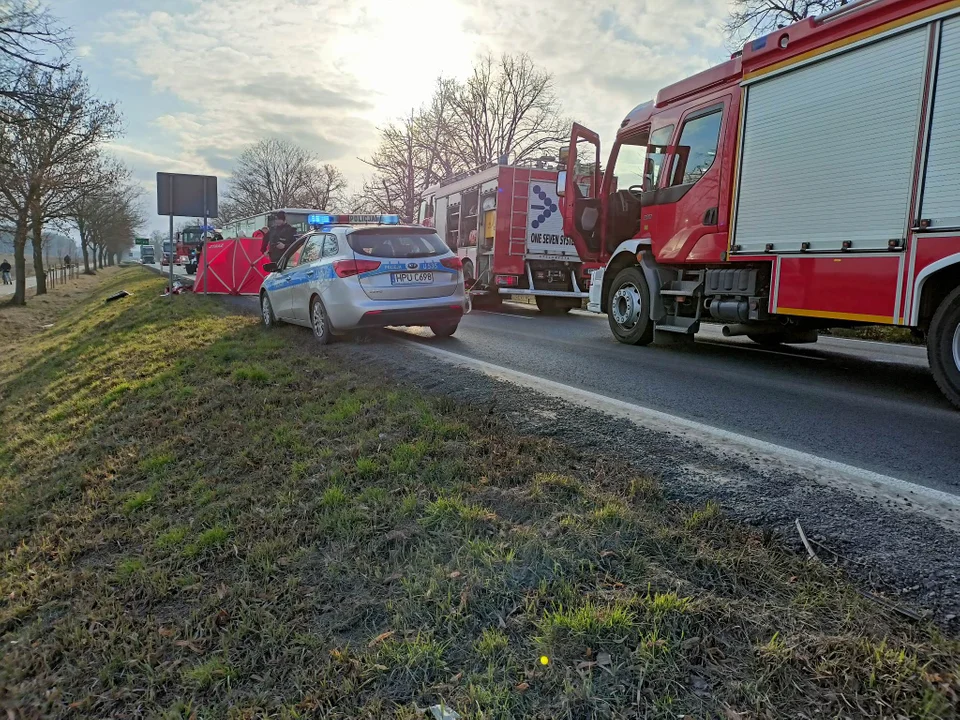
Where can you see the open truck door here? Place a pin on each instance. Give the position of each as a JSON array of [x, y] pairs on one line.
[[579, 184]]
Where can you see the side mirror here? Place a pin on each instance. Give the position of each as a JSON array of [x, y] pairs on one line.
[[564, 155], [270, 267], [561, 183]]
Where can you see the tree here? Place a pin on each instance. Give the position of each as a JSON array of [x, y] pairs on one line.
[[754, 18], [107, 214], [276, 173], [506, 110], [45, 158], [31, 40]]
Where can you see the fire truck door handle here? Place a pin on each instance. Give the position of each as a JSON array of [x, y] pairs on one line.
[[710, 217]]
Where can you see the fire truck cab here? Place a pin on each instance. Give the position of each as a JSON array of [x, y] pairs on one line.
[[505, 223], [811, 181]]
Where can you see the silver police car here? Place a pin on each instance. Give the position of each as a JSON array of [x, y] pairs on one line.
[[363, 271]]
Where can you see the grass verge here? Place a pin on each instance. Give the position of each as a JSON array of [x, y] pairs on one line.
[[199, 518]]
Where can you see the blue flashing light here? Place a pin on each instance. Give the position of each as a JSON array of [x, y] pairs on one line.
[[321, 219], [389, 219]]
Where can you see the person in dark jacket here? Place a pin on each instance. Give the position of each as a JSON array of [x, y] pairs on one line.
[[280, 237], [66, 260], [5, 272]]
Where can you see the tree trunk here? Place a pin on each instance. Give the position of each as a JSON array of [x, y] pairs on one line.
[[38, 255], [85, 249], [20, 261]]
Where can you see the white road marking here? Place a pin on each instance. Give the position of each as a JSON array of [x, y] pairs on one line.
[[936, 503], [765, 351], [509, 315]]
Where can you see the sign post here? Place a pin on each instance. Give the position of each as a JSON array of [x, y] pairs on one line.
[[185, 196]]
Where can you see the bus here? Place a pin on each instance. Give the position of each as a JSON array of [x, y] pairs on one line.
[[246, 227]]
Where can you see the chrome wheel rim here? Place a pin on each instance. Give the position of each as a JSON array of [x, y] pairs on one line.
[[626, 306], [319, 323], [956, 347], [265, 310]]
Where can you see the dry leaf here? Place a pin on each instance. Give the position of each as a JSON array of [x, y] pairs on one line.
[[585, 664], [607, 553], [167, 632], [190, 645], [523, 687], [380, 638], [603, 659], [455, 574]]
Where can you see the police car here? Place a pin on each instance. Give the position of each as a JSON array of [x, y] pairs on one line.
[[364, 271]]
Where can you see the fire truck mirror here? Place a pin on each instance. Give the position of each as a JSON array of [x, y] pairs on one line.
[[561, 183], [564, 155]]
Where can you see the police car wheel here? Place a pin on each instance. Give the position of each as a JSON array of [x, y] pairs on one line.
[[319, 321], [266, 311], [445, 330]]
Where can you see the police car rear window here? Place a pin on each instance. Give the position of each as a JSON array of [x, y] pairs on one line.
[[392, 244]]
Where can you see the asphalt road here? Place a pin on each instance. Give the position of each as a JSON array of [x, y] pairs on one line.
[[870, 405]]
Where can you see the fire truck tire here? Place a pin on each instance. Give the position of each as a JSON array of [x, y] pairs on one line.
[[553, 305], [768, 340], [629, 308], [943, 347], [468, 276]]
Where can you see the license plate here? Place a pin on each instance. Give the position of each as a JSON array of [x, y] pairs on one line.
[[411, 278]]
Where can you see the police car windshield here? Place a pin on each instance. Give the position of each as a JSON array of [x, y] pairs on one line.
[[396, 243]]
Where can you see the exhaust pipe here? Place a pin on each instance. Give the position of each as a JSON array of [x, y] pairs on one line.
[[741, 329], [790, 336]]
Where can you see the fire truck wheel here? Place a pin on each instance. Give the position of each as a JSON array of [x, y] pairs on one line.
[[267, 317], [943, 347], [629, 308], [553, 305], [468, 277]]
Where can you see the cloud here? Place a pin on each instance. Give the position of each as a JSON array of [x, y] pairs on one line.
[[327, 73]]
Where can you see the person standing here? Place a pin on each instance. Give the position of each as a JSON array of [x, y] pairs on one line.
[[280, 237], [5, 272], [66, 261]]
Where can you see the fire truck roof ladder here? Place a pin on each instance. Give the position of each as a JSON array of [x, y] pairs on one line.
[[845, 9]]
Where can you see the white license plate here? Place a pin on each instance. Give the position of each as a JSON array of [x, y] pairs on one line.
[[411, 278]]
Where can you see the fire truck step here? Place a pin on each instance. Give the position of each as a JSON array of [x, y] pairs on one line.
[[677, 324]]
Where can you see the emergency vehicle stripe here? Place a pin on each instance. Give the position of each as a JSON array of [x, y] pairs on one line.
[[892, 25], [880, 319]]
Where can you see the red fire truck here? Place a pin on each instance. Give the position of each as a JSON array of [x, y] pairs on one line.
[[811, 181], [506, 224]]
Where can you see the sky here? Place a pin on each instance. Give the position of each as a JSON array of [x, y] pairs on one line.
[[199, 80]]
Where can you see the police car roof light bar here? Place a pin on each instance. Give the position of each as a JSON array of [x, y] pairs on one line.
[[320, 219]]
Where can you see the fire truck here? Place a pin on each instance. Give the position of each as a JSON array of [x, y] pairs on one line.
[[505, 223], [811, 181]]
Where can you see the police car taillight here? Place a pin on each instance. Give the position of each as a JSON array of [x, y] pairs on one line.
[[349, 268], [319, 219], [454, 263]]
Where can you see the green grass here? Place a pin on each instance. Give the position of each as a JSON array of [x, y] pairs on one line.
[[202, 519]]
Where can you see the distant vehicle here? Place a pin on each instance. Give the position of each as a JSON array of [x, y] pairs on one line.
[[165, 258], [147, 255], [364, 271]]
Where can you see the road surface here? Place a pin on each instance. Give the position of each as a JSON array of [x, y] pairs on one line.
[[9, 289], [870, 405]]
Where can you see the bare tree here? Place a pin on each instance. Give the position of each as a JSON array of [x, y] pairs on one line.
[[44, 159], [324, 188], [505, 110], [753, 18], [278, 173], [31, 40]]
